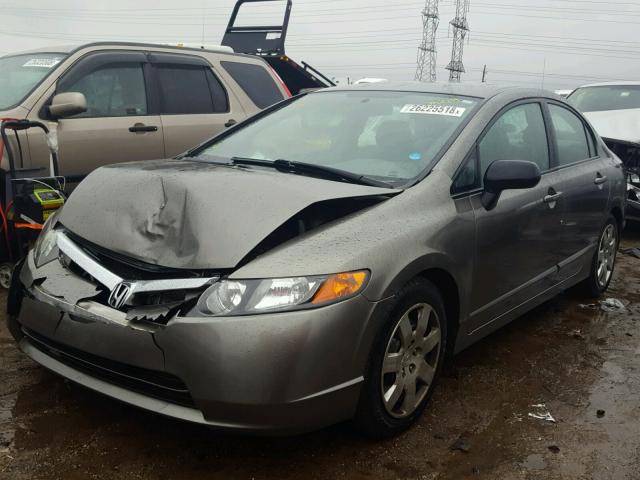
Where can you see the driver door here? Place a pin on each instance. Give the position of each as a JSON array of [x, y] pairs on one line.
[[517, 241]]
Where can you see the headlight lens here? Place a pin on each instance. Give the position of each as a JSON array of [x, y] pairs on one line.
[[250, 297], [45, 248]]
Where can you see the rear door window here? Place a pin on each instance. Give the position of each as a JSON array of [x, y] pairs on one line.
[[190, 89], [571, 135], [256, 82]]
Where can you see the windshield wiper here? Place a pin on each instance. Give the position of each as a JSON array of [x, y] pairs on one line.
[[320, 171]]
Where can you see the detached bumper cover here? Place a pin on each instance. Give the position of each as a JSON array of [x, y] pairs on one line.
[[268, 373]]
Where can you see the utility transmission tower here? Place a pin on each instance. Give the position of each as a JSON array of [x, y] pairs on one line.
[[460, 29], [426, 70]]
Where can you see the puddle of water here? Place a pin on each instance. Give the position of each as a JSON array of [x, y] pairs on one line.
[[535, 461], [7, 423]]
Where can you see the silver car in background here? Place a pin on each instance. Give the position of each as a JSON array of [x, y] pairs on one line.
[[320, 261]]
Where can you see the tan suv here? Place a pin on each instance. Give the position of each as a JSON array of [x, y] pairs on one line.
[[115, 102]]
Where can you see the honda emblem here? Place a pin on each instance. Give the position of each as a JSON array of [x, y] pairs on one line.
[[119, 295]]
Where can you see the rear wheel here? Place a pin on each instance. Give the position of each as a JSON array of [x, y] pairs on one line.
[[604, 259], [405, 362]]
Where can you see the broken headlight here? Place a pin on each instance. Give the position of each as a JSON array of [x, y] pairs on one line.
[[45, 248], [250, 297]]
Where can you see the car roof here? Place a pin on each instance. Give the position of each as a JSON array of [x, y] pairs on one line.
[[612, 84], [67, 49], [469, 89], [51, 49]]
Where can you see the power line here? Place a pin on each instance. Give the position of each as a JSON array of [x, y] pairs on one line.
[[511, 6], [547, 17], [581, 40]]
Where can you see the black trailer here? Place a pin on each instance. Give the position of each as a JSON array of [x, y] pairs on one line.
[[267, 41]]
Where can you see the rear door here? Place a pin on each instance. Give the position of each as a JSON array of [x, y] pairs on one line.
[[194, 103], [584, 183], [119, 124]]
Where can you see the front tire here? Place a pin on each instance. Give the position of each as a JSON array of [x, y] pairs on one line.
[[604, 260], [405, 362]]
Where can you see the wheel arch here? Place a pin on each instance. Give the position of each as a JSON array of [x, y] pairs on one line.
[[616, 211], [448, 288], [443, 274]]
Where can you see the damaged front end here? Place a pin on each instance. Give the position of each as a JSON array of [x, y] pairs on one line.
[[80, 310], [82, 275], [629, 153], [137, 301], [128, 330], [94, 321]]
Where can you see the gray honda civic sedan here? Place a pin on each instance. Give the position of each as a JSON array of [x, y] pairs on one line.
[[320, 261]]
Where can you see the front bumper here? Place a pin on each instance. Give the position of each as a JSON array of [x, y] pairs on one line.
[[287, 372]]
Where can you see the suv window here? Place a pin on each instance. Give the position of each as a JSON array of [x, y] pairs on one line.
[[112, 91], [187, 89], [256, 83], [519, 134], [571, 135]]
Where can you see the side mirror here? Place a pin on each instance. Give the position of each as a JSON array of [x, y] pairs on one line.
[[67, 104], [508, 175]]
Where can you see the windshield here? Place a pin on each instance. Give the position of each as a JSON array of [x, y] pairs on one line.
[[20, 74], [390, 136], [611, 97]]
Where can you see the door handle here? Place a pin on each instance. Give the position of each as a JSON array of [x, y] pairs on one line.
[[230, 123], [600, 179], [141, 128], [552, 197]]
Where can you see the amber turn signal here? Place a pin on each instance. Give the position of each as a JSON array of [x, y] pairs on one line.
[[340, 286]]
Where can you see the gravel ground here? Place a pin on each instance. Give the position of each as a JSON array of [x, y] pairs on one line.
[[577, 362]]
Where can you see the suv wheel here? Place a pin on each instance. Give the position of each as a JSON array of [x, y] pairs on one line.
[[405, 362]]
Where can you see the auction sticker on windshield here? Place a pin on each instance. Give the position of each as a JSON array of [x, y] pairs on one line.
[[448, 110], [42, 62]]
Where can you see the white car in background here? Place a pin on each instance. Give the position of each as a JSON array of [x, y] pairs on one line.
[[564, 93], [614, 111], [370, 80]]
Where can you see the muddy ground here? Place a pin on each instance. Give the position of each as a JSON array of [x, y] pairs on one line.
[[581, 362]]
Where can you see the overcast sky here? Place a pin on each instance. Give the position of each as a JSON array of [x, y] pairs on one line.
[[572, 41]]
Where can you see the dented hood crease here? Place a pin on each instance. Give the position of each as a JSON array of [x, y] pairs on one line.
[[192, 215]]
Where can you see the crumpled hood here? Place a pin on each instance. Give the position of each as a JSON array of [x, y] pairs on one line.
[[186, 214], [617, 124]]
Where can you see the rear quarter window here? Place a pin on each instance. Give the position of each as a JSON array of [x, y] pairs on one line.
[[256, 82]]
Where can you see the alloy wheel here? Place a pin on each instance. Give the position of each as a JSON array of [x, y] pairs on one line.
[[410, 360], [606, 254]]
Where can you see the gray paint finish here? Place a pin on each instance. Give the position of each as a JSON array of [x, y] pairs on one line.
[[303, 369], [199, 209]]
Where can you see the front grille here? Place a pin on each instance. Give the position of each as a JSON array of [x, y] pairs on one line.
[[160, 385], [130, 268], [155, 304]]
